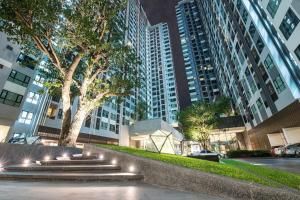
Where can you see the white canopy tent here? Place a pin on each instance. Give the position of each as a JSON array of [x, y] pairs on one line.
[[156, 135]]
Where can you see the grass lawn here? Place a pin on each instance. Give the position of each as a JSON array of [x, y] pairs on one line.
[[230, 168]]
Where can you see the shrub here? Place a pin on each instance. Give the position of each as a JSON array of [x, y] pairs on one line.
[[248, 153]]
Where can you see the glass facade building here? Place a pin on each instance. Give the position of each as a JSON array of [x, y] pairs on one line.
[[199, 68], [253, 63], [162, 91], [42, 114]]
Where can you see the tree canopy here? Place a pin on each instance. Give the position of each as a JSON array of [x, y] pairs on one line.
[[200, 118], [83, 44]]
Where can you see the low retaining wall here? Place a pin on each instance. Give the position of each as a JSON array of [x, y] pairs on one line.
[[164, 174], [16, 153]]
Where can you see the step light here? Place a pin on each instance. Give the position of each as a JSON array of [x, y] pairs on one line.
[[26, 161], [114, 162], [131, 168], [88, 153], [47, 158], [101, 157]]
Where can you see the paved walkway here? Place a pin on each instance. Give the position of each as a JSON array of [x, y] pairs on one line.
[[286, 164], [15, 190]]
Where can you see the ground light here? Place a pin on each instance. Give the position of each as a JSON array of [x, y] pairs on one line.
[[47, 158], [26, 161], [114, 161], [131, 168], [1, 167]]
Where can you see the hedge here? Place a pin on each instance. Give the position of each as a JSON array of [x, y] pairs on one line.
[[248, 153]]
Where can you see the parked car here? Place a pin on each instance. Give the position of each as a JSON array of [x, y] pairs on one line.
[[292, 149], [277, 150], [206, 155]]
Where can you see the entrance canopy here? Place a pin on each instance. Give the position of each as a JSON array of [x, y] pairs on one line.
[[156, 135]]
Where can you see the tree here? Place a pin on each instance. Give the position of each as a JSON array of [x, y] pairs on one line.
[[200, 118], [141, 111], [222, 105], [197, 120], [83, 43]]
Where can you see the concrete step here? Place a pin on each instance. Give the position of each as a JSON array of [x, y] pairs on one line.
[[118, 176], [84, 158], [74, 162], [64, 168]]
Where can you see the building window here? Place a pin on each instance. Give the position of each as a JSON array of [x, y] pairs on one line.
[[60, 114], [88, 121], [10, 98], [26, 61], [32, 98], [279, 84], [39, 80], [272, 7], [260, 45], [288, 24], [297, 52], [25, 117], [253, 109], [269, 62], [105, 113], [113, 117], [259, 103], [1, 66], [112, 128], [99, 111], [104, 125], [98, 123], [9, 47], [51, 112], [19, 78], [272, 92]]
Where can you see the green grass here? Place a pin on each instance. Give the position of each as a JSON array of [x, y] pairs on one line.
[[278, 176], [229, 168]]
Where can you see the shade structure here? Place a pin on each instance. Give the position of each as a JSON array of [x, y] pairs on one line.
[[156, 135]]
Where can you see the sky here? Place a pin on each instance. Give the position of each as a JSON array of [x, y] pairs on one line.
[[164, 11]]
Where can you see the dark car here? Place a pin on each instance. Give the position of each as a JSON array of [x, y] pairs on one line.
[[292, 149]]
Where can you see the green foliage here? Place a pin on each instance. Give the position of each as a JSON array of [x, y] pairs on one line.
[[200, 118], [248, 153], [234, 169], [64, 31], [222, 105], [196, 121], [141, 111]]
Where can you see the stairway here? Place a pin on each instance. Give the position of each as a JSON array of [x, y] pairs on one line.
[[75, 168]]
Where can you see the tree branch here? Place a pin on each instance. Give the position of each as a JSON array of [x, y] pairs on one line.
[[40, 45]]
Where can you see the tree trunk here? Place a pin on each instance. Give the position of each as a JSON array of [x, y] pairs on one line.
[[67, 116], [75, 127], [66, 124]]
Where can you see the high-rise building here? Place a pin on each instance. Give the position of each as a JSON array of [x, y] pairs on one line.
[[162, 90], [199, 68], [15, 79], [255, 51], [41, 114]]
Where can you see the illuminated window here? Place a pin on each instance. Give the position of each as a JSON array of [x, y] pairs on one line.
[[288, 24], [279, 84], [39, 80], [25, 117], [51, 112], [32, 98]]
